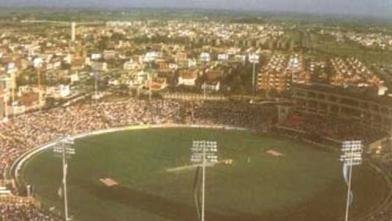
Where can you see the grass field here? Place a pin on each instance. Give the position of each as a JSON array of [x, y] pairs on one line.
[[303, 184]]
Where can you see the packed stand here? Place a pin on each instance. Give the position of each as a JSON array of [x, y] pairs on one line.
[[241, 114], [24, 212], [332, 128]]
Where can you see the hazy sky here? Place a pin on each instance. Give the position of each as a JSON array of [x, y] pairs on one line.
[[350, 7]]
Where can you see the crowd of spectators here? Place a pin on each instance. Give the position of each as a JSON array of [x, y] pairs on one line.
[[330, 127], [240, 114], [24, 211]]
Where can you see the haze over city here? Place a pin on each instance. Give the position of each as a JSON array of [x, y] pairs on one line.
[[374, 8]]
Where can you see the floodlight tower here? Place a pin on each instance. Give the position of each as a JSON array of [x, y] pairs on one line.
[[205, 58], [352, 156], [65, 150], [254, 59], [204, 152]]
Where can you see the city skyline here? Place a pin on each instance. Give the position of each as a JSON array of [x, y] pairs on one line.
[[377, 8]]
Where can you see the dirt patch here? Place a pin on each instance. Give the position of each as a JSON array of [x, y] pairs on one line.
[[193, 166], [108, 182], [274, 153]]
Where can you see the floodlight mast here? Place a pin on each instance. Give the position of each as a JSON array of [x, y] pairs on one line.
[[352, 156], [200, 150], [203, 197], [349, 186], [65, 168], [65, 150]]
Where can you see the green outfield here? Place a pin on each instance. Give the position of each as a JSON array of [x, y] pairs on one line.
[[304, 183]]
